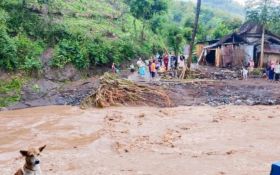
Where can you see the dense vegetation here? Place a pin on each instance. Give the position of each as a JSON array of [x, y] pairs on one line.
[[265, 12], [90, 33], [10, 91]]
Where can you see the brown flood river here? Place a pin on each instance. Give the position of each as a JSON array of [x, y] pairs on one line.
[[227, 140]]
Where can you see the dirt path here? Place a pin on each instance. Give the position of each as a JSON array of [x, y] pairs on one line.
[[227, 140]]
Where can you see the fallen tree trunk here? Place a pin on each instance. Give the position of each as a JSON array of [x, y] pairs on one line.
[[116, 91]]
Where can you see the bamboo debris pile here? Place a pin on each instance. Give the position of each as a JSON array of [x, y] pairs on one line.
[[116, 91], [192, 74]]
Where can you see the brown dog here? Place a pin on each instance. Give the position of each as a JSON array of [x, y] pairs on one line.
[[32, 163]]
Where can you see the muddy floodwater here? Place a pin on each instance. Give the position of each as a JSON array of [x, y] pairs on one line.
[[202, 140]]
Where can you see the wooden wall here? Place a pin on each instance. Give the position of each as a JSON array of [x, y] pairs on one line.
[[199, 49]]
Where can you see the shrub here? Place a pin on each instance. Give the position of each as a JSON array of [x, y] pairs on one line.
[[122, 50], [98, 51], [10, 91], [28, 53], [104, 52], [144, 49], [70, 51], [7, 51], [32, 65], [257, 72]]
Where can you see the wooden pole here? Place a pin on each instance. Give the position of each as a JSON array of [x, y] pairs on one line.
[[189, 59], [262, 48]]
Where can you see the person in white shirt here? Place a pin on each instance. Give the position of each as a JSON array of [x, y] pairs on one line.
[[277, 71]]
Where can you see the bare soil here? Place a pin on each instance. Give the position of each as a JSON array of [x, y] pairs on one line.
[[225, 92], [194, 92], [225, 140]]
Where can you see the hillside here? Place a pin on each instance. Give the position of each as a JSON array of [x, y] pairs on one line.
[[86, 33], [232, 7], [89, 33], [65, 40], [89, 17], [228, 6], [214, 22]]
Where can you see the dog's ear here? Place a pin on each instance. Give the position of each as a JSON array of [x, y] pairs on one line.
[[23, 153], [42, 148]]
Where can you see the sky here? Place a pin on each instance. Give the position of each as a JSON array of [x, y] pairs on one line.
[[241, 2]]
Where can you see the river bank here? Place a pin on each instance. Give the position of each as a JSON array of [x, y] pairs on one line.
[[197, 92]]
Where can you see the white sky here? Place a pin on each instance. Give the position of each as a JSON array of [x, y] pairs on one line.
[[241, 1]]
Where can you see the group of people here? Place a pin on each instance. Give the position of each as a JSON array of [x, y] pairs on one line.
[[170, 61], [152, 64], [273, 70], [158, 63]]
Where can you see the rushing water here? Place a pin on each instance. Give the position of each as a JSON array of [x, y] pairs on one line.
[[143, 140]]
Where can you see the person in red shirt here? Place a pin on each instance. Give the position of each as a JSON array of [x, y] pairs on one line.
[[113, 68], [165, 61]]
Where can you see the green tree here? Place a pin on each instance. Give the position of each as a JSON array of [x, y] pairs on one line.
[[146, 9], [175, 38], [221, 30], [261, 11], [158, 23], [8, 49], [264, 12]]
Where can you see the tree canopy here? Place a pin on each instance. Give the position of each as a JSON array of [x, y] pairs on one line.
[[265, 12]]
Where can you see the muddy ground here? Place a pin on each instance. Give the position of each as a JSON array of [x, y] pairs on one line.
[[224, 92], [200, 140], [195, 92], [215, 87]]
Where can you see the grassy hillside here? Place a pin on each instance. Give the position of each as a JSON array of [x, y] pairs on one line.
[[83, 32], [89, 33], [231, 7]]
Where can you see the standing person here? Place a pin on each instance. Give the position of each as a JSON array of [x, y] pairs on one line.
[[132, 68], [251, 66], [160, 60], [271, 71], [182, 61], [176, 62], [150, 68], [157, 65], [157, 55], [113, 68], [172, 61], [153, 69], [141, 67], [267, 70], [139, 62], [277, 71], [165, 61]]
